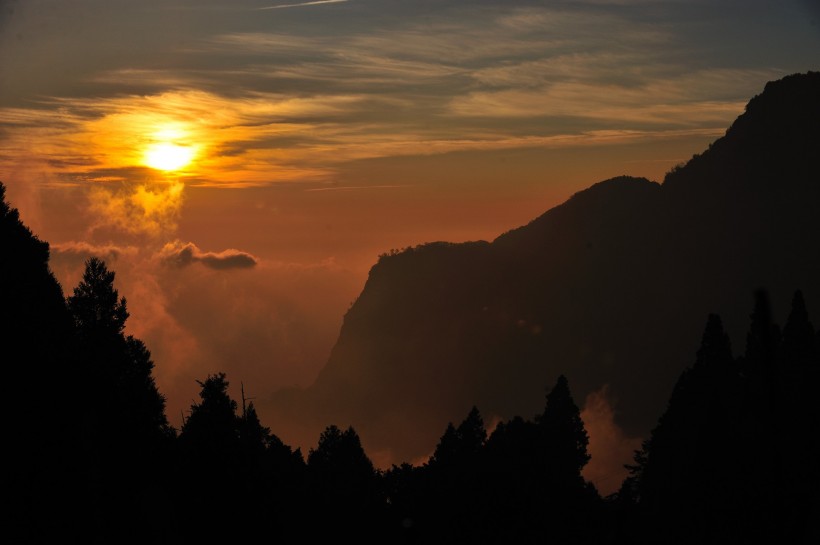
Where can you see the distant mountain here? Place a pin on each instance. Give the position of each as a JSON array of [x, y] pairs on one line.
[[610, 288]]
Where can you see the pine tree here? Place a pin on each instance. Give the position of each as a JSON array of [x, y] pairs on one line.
[[96, 305], [447, 450], [123, 392], [799, 350], [211, 431], [762, 344], [455, 497], [565, 438], [344, 486], [462, 444], [126, 413], [339, 460], [44, 440], [797, 420], [689, 447]]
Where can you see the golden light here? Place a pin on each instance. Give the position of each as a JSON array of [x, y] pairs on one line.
[[168, 156]]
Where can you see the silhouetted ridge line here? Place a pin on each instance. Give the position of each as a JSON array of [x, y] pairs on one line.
[[606, 288]]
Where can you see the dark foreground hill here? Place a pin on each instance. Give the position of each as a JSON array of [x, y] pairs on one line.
[[610, 288]]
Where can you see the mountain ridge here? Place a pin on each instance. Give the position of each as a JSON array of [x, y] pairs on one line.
[[610, 288]]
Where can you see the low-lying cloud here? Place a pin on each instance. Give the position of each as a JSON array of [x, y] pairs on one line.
[[73, 253], [609, 446], [184, 254]]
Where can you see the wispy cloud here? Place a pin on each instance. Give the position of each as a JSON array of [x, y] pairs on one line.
[[553, 89], [291, 101], [355, 187], [301, 4], [82, 250]]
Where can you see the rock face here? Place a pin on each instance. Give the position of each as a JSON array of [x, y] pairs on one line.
[[612, 287]]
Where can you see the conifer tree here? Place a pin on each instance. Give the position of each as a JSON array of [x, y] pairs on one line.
[[339, 460], [565, 438], [126, 399], [689, 446], [126, 413], [344, 485], [211, 429], [459, 445], [762, 344], [799, 348], [797, 419], [46, 478]]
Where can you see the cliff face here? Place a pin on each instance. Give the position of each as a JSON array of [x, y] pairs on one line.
[[610, 288]]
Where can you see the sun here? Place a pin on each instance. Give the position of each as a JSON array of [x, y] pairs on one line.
[[168, 156]]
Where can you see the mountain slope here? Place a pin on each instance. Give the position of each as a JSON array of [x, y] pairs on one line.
[[610, 288]]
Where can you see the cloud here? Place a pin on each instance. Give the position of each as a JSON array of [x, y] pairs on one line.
[[269, 136], [272, 326], [314, 3], [572, 87], [141, 209], [294, 98], [183, 254], [610, 448], [83, 250]]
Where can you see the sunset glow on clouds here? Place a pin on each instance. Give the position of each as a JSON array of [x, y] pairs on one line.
[[221, 134], [296, 92]]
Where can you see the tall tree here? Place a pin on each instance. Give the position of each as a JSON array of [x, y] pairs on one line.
[[565, 438], [210, 467], [762, 344], [211, 429], [799, 348], [463, 444], [340, 463], [124, 393], [130, 432], [692, 448], [797, 420], [44, 443], [96, 305], [344, 486]]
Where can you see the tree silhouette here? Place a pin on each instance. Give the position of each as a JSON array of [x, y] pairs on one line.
[[515, 471], [344, 486], [131, 435], [463, 444], [691, 450], [95, 305], [523, 484], [797, 420], [762, 343], [46, 448], [210, 465], [340, 464], [233, 469], [565, 438], [799, 345], [211, 430], [733, 458], [119, 366]]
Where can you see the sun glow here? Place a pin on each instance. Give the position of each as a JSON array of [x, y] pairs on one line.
[[168, 156]]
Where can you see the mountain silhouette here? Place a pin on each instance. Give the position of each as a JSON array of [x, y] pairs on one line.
[[609, 288]]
